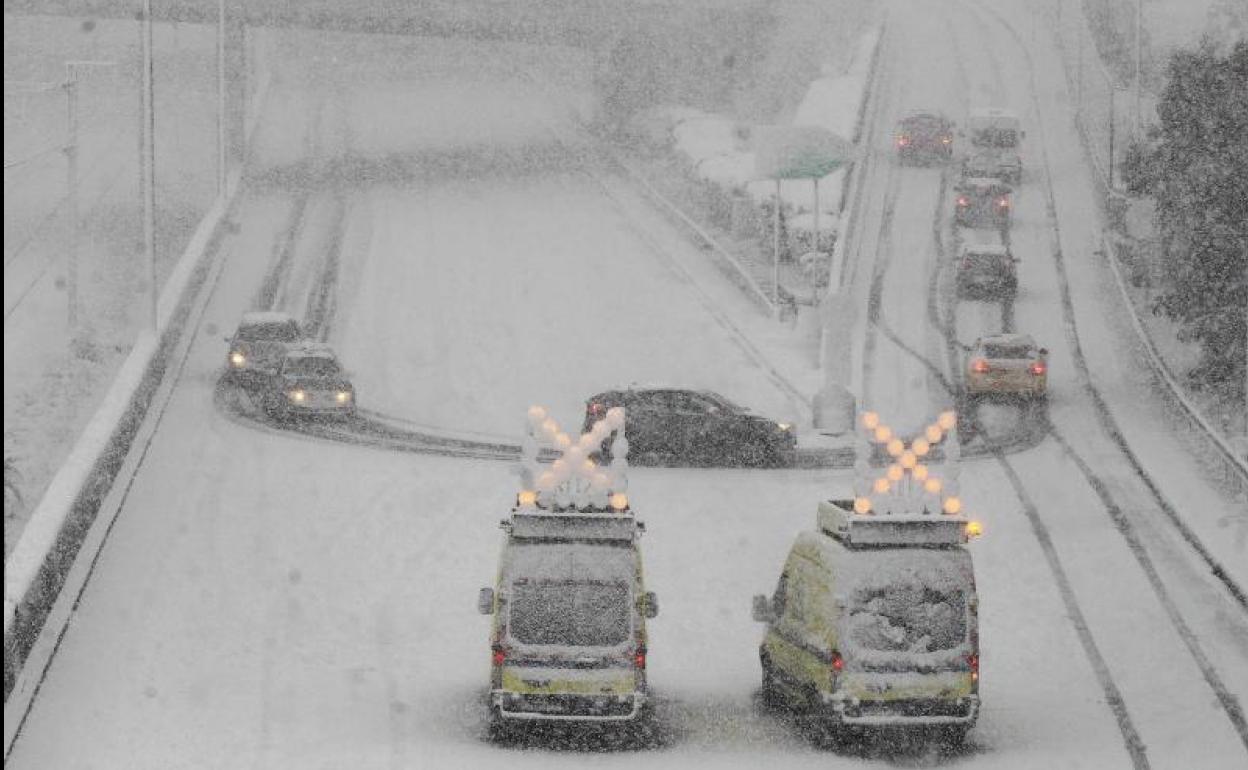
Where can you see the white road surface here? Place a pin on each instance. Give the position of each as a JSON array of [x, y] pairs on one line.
[[269, 601]]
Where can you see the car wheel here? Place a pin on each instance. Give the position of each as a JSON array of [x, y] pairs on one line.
[[769, 693]]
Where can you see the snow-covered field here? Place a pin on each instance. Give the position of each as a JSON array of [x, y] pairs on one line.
[[55, 379], [266, 600]]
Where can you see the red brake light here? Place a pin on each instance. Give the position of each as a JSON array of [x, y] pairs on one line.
[[972, 660], [596, 409], [979, 366], [1038, 368], [963, 200], [902, 141], [500, 656], [838, 663], [639, 659], [1004, 203]]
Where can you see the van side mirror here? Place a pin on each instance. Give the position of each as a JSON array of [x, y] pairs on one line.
[[485, 601], [763, 612], [650, 605]]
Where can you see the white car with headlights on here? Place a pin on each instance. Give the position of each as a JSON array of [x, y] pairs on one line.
[[258, 346]]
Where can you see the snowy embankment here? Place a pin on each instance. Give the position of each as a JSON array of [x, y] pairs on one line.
[[51, 538], [718, 148]]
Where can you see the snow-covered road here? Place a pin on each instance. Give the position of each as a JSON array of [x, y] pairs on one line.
[[268, 601]]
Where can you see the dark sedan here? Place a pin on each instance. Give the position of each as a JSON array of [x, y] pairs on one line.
[[672, 426], [923, 137], [309, 382]]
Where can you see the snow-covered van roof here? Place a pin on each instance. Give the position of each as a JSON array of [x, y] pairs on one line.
[[1009, 339], [266, 317]]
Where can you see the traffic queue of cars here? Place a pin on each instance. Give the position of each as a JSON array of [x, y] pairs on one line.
[[287, 374], [1001, 366]]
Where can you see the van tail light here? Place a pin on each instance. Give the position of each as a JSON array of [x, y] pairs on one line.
[[838, 663], [1003, 203], [1038, 368], [639, 659], [499, 656], [902, 141], [979, 366], [964, 201], [972, 661]]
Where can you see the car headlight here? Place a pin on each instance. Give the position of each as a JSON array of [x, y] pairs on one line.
[[787, 427], [298, 396], [343, 396], [237, 359]]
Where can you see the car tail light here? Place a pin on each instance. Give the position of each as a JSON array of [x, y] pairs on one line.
[[979, 366], [902, 141], [838, 663], [500, 655], [972, 660], [597, 410], [963, 200], [1004, 203], [1038, 368], [639, 659]]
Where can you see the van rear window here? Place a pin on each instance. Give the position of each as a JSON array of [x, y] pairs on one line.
[[572, 613], [909, 618]]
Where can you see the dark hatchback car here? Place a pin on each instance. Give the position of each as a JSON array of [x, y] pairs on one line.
[[923, 137], [987, 272], [673, 426], [983, 203]]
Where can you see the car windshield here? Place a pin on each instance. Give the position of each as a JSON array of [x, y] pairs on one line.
[[569, 612], [994, 350], [311, 367], [269, 331], [907, 618]]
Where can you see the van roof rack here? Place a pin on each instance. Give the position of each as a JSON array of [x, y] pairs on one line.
[[578, 526], [837, 519]]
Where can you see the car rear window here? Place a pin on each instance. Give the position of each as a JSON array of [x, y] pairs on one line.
[[573, 613], [1007, 351], [996, 137], [907, 618], [269, 332]]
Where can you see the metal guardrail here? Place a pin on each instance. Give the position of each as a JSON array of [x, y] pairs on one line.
[[1236, 468]]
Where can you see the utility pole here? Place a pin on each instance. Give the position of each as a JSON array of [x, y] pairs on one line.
[[1139, 31], [221, 154], [775, 254], [1110, 171], [72, 69], [148, 161], [71, 204]]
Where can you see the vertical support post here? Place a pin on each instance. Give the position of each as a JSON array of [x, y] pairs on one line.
[[817, 248], [1109, 172], [1139, 31], [1079, 71], [775, 254], [148, 161], [71, 203], [221, 156]]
